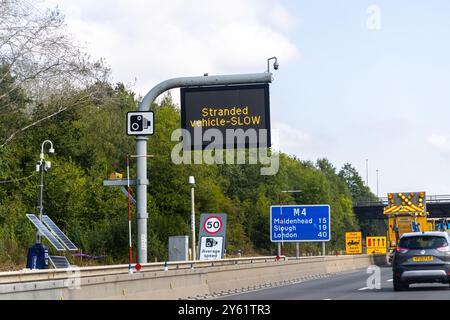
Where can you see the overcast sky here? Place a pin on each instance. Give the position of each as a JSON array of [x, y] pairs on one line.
[[357, 80]]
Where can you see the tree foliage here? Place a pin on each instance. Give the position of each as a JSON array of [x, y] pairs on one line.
[[40, 58], [91, 143], [83, 116], [360, 193]]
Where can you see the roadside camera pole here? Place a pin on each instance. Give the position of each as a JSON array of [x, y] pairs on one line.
[[141, 141], [42, 166]]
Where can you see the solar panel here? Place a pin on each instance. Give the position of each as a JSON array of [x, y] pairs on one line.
[[58, 233], [59, 262], [45, 232]]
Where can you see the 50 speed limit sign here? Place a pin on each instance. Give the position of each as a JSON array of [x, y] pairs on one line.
[[213, 224], [212, 236]]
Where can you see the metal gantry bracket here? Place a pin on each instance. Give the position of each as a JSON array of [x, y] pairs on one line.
[[121, 183], [141, 141], [118, 182]]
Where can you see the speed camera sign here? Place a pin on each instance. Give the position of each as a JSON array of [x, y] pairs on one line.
[[212, 235], [140, 123]]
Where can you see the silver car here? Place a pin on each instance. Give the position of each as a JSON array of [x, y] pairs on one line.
[[421, 257]]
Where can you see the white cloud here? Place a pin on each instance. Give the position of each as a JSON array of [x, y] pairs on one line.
[[151, 41], [280, 16], [288, 139], [441, 143]]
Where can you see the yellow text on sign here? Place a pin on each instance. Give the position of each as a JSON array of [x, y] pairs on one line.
[[353, 243], [376, 245]]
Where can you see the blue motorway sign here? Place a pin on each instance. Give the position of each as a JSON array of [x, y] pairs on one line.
[[295, 223]]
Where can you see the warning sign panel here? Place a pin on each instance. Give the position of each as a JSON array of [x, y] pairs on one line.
[[353, 243], [376, 245], [226, 116], [211, 248]]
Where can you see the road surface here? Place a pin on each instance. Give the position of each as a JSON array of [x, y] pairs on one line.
[[347, 286]]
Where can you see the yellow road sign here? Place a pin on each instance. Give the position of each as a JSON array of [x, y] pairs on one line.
[[116, 175], [406, 202], [376, 245], [353, 243]]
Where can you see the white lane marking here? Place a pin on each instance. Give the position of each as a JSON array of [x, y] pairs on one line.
[[365, 288], [390, 280]]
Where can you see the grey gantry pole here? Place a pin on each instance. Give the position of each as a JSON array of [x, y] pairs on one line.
[[141, 141]]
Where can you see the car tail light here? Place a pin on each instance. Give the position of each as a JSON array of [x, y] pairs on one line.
[[443, 249], [402, 250]]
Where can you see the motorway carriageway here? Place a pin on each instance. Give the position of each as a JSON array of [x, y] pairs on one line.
[[347, 286]]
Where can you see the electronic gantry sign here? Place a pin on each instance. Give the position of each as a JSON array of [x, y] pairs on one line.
[[226, 117]]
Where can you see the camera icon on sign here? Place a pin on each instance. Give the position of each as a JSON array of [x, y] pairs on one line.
[[210, 242], [139, 123]]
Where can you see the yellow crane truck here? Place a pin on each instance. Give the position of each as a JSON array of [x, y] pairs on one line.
[[406, 212]]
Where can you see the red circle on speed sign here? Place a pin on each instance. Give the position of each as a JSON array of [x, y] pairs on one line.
[[212, 225]]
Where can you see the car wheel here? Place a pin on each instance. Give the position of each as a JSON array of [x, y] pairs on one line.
[[399, 285]]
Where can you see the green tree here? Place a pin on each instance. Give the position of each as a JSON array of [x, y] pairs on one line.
[[360, 193]]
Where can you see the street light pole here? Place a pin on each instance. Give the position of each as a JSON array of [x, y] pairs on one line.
[[40, 206], [41, 167], [40, 195], [367, 172], [192, 183], [377, 184]]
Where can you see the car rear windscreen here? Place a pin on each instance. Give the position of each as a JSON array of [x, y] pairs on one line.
[[422, 242]]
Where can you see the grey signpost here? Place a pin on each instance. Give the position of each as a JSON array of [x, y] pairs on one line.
[[212, 229], [141, 141]]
